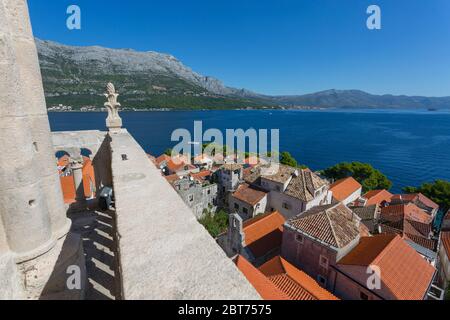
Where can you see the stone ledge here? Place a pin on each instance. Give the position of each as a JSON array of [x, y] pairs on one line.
[[164, 252]]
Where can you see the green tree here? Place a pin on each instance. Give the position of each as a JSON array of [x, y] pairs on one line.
[[215, 223], [168, 152], [369, 177], [438, 191], [287, 159]]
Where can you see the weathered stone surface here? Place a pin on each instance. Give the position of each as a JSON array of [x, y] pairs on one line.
[[72, 141], [31, 205], [164, 252], [10, 283], [45, 277]]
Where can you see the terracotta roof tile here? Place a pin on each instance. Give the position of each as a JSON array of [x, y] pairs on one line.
[[377, 197], [162, 158], [172, 178], [202, 158], [367, 213], [412, 230], [264, 233], [88, 178], [344, 188], [202, 175], [249, 194], [305, 185], [410, 211], [68, 188], [445, 240], [175, 165], [232, 166], [416, 198], [363, 230], [266, 289], [333, 224], [293, 282], [281, 175], [403, 271], [252, 174]]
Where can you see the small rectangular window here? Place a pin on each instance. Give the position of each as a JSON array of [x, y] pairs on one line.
[[299, 238], [286, 205], [245, 210], [322, 280], [236, 206], [323, 262]]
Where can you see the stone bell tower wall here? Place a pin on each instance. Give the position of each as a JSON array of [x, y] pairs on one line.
[[34, 108]]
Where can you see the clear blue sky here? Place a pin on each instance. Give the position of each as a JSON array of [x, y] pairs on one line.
[[277, 46]]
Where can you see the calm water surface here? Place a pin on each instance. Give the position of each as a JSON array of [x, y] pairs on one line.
[[409, 147]]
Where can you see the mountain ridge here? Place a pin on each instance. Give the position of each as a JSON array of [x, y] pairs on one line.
[[75, 76]]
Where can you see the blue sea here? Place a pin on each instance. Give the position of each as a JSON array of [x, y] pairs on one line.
[[410, 147]]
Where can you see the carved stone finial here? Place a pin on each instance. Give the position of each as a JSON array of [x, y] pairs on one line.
[[113, 122]]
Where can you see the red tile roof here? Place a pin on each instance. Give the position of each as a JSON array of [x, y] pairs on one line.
[[403, 271], [202, 158], [162, 158], [68, 189], [88, 177], [412, 230], [416, 198], [202, 175], [266, 289], [408, 211], [293, 282], [249, 194], [363, 230], [253, 160], [172, 178], [445, 240], [344, 188], [377, 197], [176, 165], [333, 224], [264, 233]]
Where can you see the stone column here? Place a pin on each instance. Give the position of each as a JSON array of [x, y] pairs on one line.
[[34, 107], [77, 169], [23, 207]]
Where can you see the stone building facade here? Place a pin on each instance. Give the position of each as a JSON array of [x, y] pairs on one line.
[[199, 196], [292, 191], [315, 241], [248, 202], [228, 178]]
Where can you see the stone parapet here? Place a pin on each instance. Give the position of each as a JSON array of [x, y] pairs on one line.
[[164, 252]]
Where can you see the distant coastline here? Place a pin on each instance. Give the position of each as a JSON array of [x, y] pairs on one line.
[[281, 108], [94, 109]]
